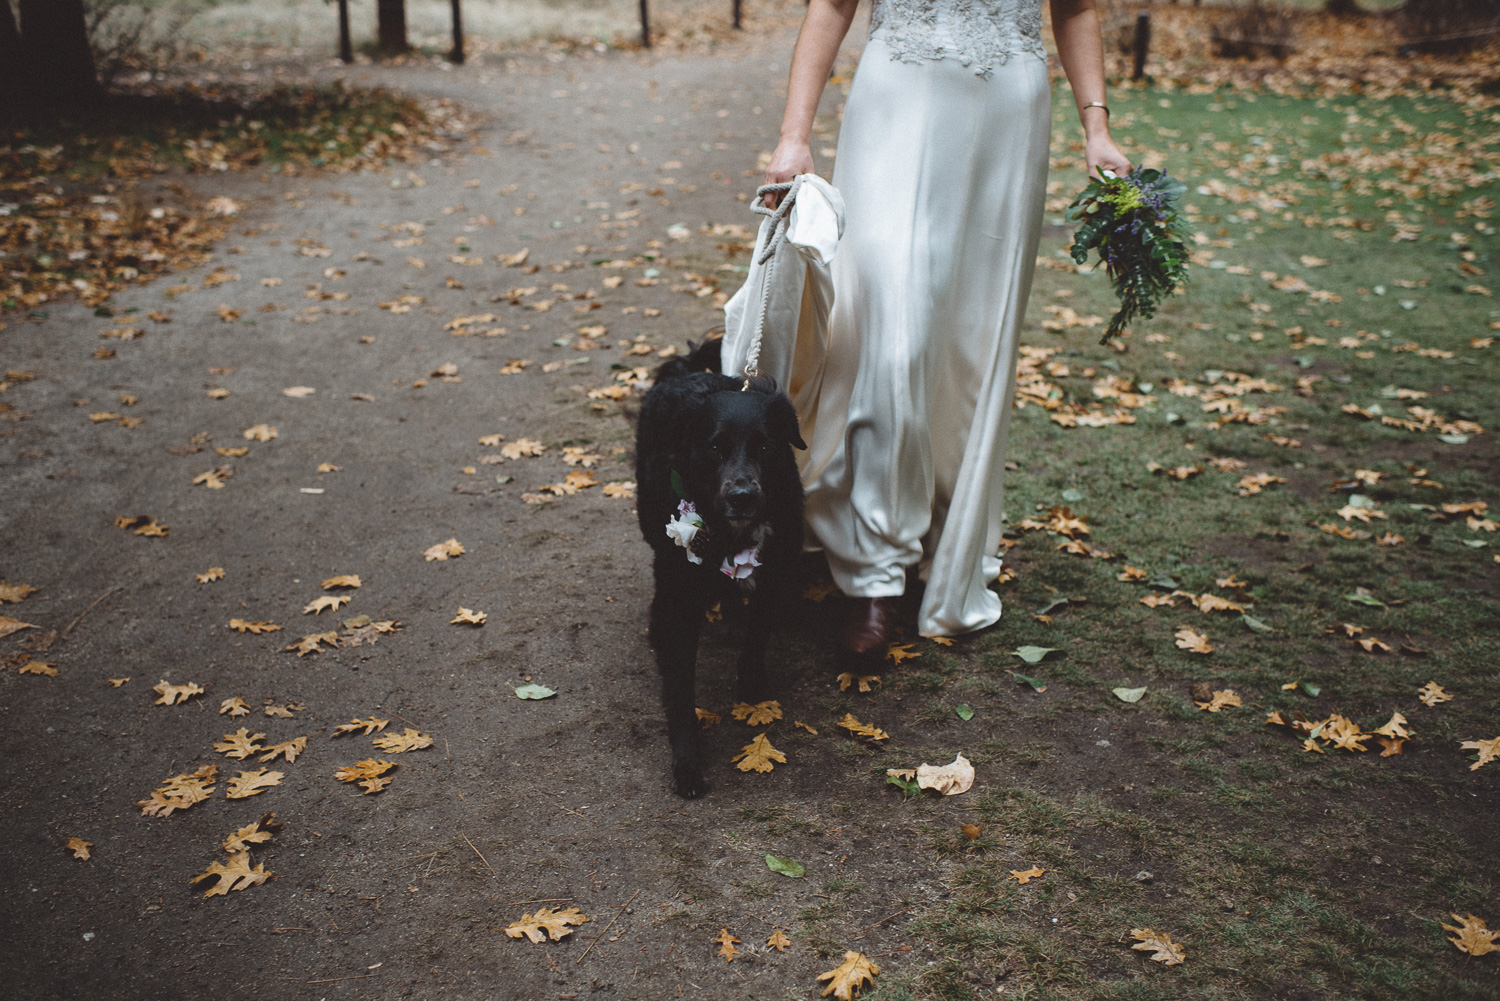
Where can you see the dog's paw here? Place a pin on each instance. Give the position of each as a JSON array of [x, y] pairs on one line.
[[688, 780]]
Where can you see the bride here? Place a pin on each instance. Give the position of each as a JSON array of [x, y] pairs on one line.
[[942, 164]]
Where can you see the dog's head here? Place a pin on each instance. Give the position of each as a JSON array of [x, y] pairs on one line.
[[739, 443]]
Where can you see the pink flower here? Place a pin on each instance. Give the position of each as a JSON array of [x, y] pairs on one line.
[[744, 563]]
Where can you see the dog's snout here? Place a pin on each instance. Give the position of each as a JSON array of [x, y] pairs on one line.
[[742, 497]]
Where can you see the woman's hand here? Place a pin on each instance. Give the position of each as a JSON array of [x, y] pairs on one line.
[[792, 157], [1101, 153]]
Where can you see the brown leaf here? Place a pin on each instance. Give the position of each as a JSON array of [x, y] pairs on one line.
[[39, 667], [14, 592], [758, 755], [288, 749], [260, 432], [407, 740], [171, 695], [79, 847], [897, 652], [443, 550], [180, 792], [859, 729], [709, 719], [1193, 642], [778, 941], [252, 783], [326, 601], [1025, 877], [1432, 693], [760, 714], [310, 643], [1221, 700], [846, 980], [234, 707], [547, 922], [1488, 750], [367, 773], [1472, 935], [864, 681], [235, 875], [726, 945], [369, 726], [342, 580], [9, 625], [255, 833], [210, 575], [240, 744], [1163, 950], [242, 626], [469, 616]]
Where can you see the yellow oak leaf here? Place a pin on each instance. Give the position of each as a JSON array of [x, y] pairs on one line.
[[809, 728], [407, 740], [79, 847], [9, 625], [143, 524], [1373, 645], [240, 744], [864, 681], [1157, 600], [620, 489], [1221, 700], [256, 628], [261, 432], [236, 875], [442, 551], [521, 448], [1025, 877], [213, 479], [1432, 693], [255, 833], [1472, 935], [39, 667], [758, 755], [180, 792], [859, 729], [1343, 733], [234, 707], [288, 749], [369, 726], [171, 695], [1163, 950], [547, 922], [778, 941], [1488, 750], [328, 467], [1213, 603], [14, 593], [117, 682], [709, 719], [897, 652], [1392, 745], [334, 601], [726, 945], [469, 616], [847, 979], [1396, 727], [210, 575], [759, 714], [1193, 642], [1131, 573], [369, 773], [252, 783], [342, 580], [310, 643]]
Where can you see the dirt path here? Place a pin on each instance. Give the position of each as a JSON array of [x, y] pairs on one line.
[[405, 894]]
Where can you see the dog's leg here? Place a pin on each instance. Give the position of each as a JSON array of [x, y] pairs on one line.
[[676, 620], [753, 684]]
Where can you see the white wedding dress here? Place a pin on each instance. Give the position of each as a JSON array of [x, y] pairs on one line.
[[942, 164]]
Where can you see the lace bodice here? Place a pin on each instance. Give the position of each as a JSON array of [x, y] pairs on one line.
[[980, 34]]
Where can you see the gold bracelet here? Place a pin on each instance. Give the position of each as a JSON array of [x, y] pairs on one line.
[[1098, 104]]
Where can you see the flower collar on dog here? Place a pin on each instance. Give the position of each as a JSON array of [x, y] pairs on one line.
[[685, 527]]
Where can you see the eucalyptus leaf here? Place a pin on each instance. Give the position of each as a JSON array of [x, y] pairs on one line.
[[1310, 688], [908, 786], [1129, 694], [786, 866], [1072, 496], [1033, 654], [1475, 543], [534, 692], [1164, 583], [963, 712], [678, 487], [1047, 610], [1360, 596], [1037, 684], [1453, 439], [1256, 624]]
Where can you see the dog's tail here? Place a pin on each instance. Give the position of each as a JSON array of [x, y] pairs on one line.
[[704, 357]]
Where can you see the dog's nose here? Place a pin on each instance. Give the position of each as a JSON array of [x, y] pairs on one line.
[[742, 494]]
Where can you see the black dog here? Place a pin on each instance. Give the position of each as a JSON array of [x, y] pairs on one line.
[[720, 504]]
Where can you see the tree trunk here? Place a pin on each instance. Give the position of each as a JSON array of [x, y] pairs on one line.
[[56, 62], [391, 25], [10, 51]]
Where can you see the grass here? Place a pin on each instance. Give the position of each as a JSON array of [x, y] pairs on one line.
[[1284, 873]]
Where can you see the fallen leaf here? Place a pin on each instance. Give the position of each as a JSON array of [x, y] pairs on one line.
[[443, 550], [778, 941], [534, 692], [620, 489], [963, 712], [14, 592], [342, 580], [39, 667], [1129, 694], [846, 980], [1025, 877], [709, 719], [951, 779], [9, 625], [368, 774], [326, 601], [548, 922], [234, 707], [369, 726], [210, 575], [1432, 693], [897, 652], [252, 834], [288, 749], [1163, 950], [760, 714], [116, 682], [407, 740], [1037, 685], [241, 626], [171, 695], [521, 448], [79, 847], [180, 792], [758, 755], [1488, 750], [726, 945], [1472, 936], [252, 783], [469, 616], [864, 681], [240, 744], [804, 726], [1221, 700], [859, 729], [236, 875], [1392, 745], [298, 392], [1192, 641], [260, 432], [310, 643], [786, 866], [970, 831]]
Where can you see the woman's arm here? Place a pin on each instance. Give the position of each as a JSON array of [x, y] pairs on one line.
[[1080, 46], [818, 44]]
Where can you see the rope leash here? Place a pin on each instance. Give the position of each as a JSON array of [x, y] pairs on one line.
[[767, 259]]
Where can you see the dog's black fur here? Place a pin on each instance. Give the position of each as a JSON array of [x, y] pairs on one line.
[[732, 453]]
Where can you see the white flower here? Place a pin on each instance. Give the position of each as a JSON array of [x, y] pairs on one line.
[[683, 527], [744, 563]]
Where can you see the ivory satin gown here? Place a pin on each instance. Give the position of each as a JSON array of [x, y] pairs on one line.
[[942, 164]]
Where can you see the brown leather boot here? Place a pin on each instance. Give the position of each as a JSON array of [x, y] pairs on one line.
[[870, 626]]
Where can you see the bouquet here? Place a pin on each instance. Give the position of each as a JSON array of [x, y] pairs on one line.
[[1134, 223]]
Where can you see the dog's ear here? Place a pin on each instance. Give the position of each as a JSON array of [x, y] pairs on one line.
[[782, 418]]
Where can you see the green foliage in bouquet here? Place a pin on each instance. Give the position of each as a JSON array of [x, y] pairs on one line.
[[1141, 237]]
